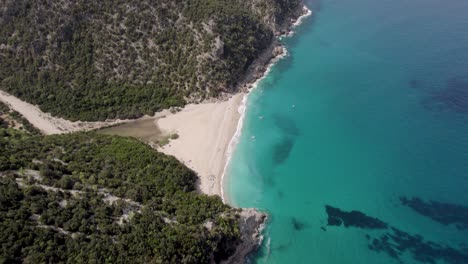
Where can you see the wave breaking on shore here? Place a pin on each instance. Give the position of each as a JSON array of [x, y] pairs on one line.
[[243, 106]]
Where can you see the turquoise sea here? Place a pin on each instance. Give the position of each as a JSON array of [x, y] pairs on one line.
[[356, 144]]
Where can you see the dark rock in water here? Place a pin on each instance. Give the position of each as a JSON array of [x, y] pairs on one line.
[[352, 219], [444, 213], [382, 245], [396, 242], [282, 150], [297, 225], [334, 221], [250, 224]]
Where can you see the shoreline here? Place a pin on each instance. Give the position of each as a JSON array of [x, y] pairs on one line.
[[221, 122], [196, 124], [204, 136], [253, 237], [242, 111], [243, 107]]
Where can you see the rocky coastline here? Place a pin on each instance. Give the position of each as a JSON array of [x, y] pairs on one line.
[[252, 221], [275, 50]]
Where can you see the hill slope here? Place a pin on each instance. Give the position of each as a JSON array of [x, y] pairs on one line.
[[94, 199], [93, 60]]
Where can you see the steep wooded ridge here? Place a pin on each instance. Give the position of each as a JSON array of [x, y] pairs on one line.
[[94, 60], [89, 198]]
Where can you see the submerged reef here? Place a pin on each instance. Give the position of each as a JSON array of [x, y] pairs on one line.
[[394, 242], [337, 217], [444, 213], [286, 125], [282, 150]]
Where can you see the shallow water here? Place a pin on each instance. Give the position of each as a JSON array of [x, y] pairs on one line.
[[143, 129], [369, 110]]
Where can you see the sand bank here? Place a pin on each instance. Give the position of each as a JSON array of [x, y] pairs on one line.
[[46, 122], [205, 131]]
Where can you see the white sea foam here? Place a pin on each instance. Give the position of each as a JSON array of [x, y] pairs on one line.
[[242, 110], [243, 107], [299, 21]]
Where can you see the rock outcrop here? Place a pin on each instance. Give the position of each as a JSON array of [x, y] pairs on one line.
[[251, 222]]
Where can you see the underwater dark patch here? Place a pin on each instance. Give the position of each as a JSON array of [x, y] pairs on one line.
[[269, 181], [395, 242], [415, 84], [444, 213], [282, 150], [382, 245], [297, 225], [280, 194], [337, 217], [454, 97], [286, 125], [283, 247]]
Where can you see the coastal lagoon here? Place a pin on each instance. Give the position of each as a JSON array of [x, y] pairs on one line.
[[144, 129], [356, 143]]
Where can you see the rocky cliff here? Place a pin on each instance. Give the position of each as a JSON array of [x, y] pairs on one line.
[[251, 222]]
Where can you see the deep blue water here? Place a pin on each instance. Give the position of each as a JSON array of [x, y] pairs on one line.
[[368, 113]]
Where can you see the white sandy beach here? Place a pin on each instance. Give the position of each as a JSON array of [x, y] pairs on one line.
[[45, 122], [205, 131]]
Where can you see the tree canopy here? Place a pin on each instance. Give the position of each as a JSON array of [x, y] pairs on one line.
[[95, 60], [89, 198]]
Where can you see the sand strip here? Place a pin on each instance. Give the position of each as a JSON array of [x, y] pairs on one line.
[[205, 131], [45, 122]]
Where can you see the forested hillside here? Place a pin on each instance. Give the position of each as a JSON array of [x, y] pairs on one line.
[[93, 60], [88, 198]]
